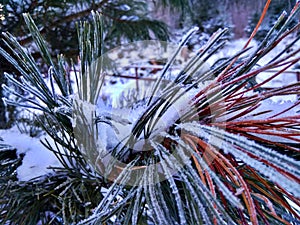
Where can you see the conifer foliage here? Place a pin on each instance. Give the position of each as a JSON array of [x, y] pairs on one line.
[[220, 163]]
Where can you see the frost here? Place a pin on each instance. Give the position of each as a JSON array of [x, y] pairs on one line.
[[136, 209], [175, 192], [228, 143], [149, 187], [227, 193], [190, 174]]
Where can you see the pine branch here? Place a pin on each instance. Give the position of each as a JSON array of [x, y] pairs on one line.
[[66, 19], [208, 165]]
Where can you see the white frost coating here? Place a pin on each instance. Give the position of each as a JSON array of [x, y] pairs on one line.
[[227, 193], [175, 192], [269, 172], [161, 197], [136, 208], [202, 190], [225, 141], [282, 161], [152, 193], [220, 136]]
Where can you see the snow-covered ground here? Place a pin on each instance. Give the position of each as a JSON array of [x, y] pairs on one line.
[[37, 160], [122, 86]]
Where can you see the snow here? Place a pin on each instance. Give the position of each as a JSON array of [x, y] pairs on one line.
[[276, 107], [37, 159], [131, 18]]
